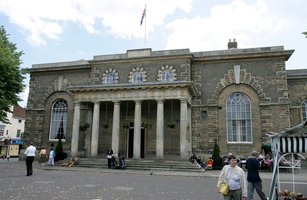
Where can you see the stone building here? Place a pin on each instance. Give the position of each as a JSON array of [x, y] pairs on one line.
[[165, 104]]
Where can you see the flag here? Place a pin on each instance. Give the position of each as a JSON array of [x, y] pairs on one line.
[[143, 16]]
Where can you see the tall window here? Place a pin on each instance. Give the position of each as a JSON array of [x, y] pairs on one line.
[[167, 76], [58, 120], [304, 110], [239, 128]]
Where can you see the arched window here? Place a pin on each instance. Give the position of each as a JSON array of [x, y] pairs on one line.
[[109, 79], [304, 110], [167, 76], [137, 77], [239, 127], [58, 120]]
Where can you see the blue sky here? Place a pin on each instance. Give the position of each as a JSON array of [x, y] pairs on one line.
[[66, 30]]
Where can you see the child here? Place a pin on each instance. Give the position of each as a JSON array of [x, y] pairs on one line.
[[51, 157]]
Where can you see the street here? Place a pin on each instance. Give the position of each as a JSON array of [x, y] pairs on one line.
[[107, 184]]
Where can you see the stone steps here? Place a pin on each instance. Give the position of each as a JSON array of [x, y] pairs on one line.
[[158, 165]]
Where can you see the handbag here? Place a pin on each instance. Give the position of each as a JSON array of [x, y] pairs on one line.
[[224, 189]]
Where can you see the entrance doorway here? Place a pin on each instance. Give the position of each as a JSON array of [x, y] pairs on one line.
[[131, 142]]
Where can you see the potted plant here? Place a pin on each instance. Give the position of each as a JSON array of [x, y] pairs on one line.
[[84, 127], [126, 125], [146, 125], [105, 126], [59, 153], [217, 159], [171, 125]]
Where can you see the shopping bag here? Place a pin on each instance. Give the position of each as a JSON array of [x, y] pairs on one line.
[[224, 189]]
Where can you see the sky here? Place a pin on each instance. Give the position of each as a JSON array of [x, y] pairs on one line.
[[50, 31]]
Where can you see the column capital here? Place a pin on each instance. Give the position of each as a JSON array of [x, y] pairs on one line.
[[116, 101], [76, 102], [95, 101], [183, 100], [160, 100]]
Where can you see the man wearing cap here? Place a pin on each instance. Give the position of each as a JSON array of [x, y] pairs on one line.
[[30, 154], [253, 178]]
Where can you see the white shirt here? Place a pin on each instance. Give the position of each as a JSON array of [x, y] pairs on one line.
[[30, 151]]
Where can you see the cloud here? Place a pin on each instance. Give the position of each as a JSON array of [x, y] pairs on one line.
[[238, 19], [43, 20]]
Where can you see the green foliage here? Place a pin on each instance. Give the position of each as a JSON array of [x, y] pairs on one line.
[[11, 79], [59, 148], [216, 151], [84, 127], [305, 33]]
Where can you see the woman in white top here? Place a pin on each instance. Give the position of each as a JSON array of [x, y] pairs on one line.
[[235, 178]]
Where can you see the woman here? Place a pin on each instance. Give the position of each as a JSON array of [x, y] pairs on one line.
[[235, 178], [43, 156]]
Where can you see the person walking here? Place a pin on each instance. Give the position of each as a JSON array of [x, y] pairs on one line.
[[253, 178], [234, 177], [30, 154], [43, 156], [51, 157]]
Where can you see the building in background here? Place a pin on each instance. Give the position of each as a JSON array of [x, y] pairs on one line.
[[17, 123], [165, 104], [11, 134]]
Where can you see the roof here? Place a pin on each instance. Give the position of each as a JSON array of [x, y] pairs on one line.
[[18, 111]]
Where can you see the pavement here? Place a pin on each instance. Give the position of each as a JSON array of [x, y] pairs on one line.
[[103, 184], [298, 174]]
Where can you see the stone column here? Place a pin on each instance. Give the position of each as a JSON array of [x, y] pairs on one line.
[[88, 134], [137, 130], [160, 130], [75, 129], [95, 129], [115, 129], [184, 154]]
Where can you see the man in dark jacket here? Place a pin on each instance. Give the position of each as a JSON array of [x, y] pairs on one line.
[[253, 178]]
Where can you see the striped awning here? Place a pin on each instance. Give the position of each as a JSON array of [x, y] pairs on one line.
[[293, 144]]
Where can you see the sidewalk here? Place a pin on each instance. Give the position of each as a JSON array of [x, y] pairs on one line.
[[299, 175]]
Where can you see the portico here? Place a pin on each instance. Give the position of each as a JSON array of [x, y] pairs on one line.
[[118, 95]]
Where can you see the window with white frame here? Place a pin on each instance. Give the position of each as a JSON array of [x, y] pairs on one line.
[[167, 76], [304, 110], [58, 123], [110, 77], [137, 77], [238, 116]]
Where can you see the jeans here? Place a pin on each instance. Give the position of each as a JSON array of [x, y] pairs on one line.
[[250, 190]]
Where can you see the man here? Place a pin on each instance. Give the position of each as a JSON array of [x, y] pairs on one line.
[[253, 178], [30, 154]]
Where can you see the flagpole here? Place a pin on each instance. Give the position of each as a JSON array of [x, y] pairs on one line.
[[145, 24]]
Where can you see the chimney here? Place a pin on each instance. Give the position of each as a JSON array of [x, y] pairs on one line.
[[232, 44]]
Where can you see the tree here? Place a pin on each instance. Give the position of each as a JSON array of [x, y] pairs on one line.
[[216, 151], [11, 76], [305, 33]]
